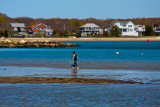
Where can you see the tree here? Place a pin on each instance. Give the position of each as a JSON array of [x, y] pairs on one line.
[[1, 33], [105, 33], [31, 23], [6, 33], [2, 19], [19, 29], [65, 33], [76, 24], [115, 31], [149, 31], [2, 30]]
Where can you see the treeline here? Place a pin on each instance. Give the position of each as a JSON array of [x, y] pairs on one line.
[[65, 27]]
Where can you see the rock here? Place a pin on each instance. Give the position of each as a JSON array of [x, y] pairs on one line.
[[15, 42], [22, 42], [11, 46], [34, 44], [52, 45], [68, 44], [45, 41], [61, 44], [8, 41]]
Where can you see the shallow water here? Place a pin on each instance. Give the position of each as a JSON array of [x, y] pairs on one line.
[[126, 75], [61, 95]]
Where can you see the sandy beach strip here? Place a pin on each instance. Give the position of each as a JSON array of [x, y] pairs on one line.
[[59, 80], [154, 38]]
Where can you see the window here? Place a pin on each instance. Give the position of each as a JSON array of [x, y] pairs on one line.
[[131, 30], [124, 30], [129, 25]]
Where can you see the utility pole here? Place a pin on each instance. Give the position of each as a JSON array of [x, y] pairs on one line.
[[64, 27]]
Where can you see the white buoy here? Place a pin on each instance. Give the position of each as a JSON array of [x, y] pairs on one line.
[[117, 53]]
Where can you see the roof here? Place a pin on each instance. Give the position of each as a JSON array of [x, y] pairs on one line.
[[40, 25], [34, 25], [17, 25], [32, 28], [124, 22], [90, 25]]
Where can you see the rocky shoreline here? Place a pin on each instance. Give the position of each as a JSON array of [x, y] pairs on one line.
[[34, 44]]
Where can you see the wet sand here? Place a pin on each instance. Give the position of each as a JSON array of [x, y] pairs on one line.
[[151, 38], [59, 80]]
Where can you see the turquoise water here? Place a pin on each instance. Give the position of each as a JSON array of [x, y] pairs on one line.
[[92, 55]]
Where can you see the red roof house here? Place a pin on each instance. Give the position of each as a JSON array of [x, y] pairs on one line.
[[39, 28]]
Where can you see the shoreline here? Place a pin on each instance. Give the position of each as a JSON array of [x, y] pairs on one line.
[[61, 80], [154, 38]]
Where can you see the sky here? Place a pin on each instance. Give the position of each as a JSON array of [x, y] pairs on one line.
[[81, 9]]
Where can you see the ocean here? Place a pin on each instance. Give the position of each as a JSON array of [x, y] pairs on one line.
[[137, 61]]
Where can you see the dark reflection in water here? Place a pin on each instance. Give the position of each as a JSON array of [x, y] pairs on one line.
[[61, 95]]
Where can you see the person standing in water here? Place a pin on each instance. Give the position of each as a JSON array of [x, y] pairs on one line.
[[75, 58], [72, 65]]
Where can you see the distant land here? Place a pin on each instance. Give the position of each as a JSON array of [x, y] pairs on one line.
[[59, 25]]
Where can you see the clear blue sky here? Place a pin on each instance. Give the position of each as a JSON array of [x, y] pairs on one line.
[[100, 9]]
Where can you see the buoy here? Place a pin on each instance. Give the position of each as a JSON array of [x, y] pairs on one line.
[[147, 40], [117, 53]]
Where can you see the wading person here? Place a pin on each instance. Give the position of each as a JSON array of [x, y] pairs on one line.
[[72, 65], [75, 58]]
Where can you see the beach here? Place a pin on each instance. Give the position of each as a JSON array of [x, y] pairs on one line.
[[151, 38]]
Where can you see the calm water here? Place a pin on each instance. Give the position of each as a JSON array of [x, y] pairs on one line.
[[92, 55], [96, 60], [79, 95]]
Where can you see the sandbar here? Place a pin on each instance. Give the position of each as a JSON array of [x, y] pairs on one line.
[[60, 80]]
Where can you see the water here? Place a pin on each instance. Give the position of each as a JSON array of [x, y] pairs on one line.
[[92, 55], [67, 95], [97, 59]]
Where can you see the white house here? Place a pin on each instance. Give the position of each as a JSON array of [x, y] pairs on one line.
[[127, 28], [157, 30], [39, 28], [90, 28], [140, 29], [18, 27]]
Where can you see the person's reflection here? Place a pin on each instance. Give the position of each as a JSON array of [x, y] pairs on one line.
[[74, 74]]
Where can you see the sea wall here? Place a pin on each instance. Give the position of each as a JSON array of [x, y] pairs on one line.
[[34, 44]]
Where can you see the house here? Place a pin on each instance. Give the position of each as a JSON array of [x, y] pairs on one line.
[[140, 29], [127, 28], [157, 30], [90, 28], [39, 28], [18, 27]]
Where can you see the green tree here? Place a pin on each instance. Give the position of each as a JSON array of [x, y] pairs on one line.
[[2, 19], [6, 33], [149, 31], [31, 23], [105, 33], [65, 33], [115, 31], [39, 34], [2, 30], [76, 23], [1, 33], [19, 29]]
